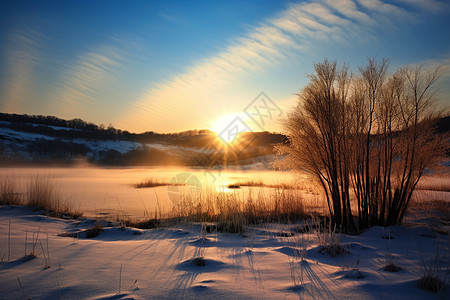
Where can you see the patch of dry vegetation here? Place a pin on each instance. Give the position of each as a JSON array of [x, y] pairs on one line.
[[254, 183], [9, 194], [233, 211], [44, 193], [328, 237], [433, 275], [430, 208], [94, 230], [151, 182], [41, 192]]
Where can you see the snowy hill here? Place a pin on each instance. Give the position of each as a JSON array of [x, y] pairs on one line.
[[39, 139]]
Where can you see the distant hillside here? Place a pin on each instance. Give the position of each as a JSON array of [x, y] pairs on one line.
[[48, 139]]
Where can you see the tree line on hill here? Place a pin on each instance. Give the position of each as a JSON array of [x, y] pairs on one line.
[[79, 129], [63, 141]]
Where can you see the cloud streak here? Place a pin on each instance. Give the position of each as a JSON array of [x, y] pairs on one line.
[[83, 80], [23, 56], [272, 42]]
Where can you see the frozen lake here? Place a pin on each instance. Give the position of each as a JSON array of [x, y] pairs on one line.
[[109, 191], [98, 192]]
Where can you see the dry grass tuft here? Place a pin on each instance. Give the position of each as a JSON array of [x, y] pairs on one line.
[[9, 195], [43, 193], [94, 231], [431, 283], [391, 267], [433, 276], [234, 211], [199, 261], [253, 183], [327, 237], [150, 182], [148, 224], [333, 250], [233, 226]]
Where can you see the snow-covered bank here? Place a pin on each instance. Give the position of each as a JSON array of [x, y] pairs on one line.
[[123, 263]]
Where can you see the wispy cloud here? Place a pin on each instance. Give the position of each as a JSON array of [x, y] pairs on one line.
[[83, 80], [23, 55], [383, 7], [200, 87], [349, 9], [186, 92]]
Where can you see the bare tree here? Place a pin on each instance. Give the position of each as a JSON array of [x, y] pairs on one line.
[[318, 133], [367, 138], [419, 147]]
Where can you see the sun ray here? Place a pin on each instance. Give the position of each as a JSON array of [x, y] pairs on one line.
[[229, 127]]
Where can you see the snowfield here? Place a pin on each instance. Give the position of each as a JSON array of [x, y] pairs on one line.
[[128, 263], [20, 139]]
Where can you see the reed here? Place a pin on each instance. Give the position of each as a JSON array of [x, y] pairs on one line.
[[234, 211], [9, 193], [44, 193]]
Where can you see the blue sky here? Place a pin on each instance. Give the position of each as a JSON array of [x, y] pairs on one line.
[[170, 66]]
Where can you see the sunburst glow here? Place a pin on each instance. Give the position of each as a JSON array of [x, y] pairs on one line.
[[226, 128]]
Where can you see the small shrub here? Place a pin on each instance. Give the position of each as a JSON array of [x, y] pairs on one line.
[[391, 267], [327, 237], [199, 261], [431, 283], [333, 250], [148, 224], [94, 231], [434, 275], [234, 226], [351, 270], [352, 274]]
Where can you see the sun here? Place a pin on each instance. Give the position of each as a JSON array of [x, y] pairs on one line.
[[226, 127]]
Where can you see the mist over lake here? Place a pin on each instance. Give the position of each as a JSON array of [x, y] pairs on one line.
[[110, 192]]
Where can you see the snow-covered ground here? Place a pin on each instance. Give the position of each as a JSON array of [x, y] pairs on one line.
[[126, 263]]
